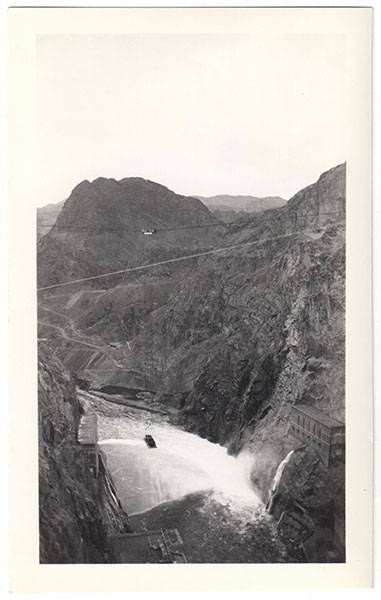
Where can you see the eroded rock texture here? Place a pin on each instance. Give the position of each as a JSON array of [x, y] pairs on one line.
[[76, 511]]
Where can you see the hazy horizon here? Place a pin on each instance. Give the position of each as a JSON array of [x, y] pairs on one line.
[[211, 114], [192, 195]]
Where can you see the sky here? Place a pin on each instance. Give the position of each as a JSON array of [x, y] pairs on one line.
[[201, 114]]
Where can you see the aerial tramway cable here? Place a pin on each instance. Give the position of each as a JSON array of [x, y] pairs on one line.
[[181, 228], [165, 262]]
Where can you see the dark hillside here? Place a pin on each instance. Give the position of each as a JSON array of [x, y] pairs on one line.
[[76, 514], [99, 229]]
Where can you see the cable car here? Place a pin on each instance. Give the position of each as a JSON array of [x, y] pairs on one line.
[[150, 441]]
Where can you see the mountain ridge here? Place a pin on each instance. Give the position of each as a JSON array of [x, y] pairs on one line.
[[110, 214], [248, 203]]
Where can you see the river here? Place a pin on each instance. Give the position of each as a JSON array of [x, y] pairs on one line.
[[186, 482]]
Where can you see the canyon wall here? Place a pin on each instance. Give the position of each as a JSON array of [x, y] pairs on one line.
[[77, 513]]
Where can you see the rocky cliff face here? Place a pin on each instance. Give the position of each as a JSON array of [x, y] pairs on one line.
[[248, 336], [76, 512], [255, 331], [261, 326], [99, 228], [305, 482]]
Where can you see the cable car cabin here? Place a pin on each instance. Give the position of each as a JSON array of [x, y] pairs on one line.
[[150, 441], [148, 231]]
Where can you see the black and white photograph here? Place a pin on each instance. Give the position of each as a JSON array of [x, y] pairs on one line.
[[190, 202]]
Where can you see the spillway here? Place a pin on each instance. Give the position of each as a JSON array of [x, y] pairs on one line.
[[186, 483], [181, 464]]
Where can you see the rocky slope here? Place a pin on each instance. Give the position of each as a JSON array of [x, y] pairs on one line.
[[259, 329], [315, 492], [250, 204], [227, 216], [248, 334], [76, 513], [99, 228]]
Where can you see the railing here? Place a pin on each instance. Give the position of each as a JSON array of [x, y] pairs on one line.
[[109, 482]]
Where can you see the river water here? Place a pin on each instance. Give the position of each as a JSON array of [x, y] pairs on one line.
[[185, 482]]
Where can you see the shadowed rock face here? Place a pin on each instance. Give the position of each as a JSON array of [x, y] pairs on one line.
[[98, 228], [253, 332], [240, 336], [262, 326], [259, 338], [306, 481], [75, 516]]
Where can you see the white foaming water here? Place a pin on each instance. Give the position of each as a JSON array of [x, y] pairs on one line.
[[279, 471], [181, 464]]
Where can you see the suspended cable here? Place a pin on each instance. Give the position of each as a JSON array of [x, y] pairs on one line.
[[248, 220], [84, 228], [164, 262]]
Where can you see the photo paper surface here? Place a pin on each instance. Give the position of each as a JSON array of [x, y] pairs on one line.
[[195, 198]]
